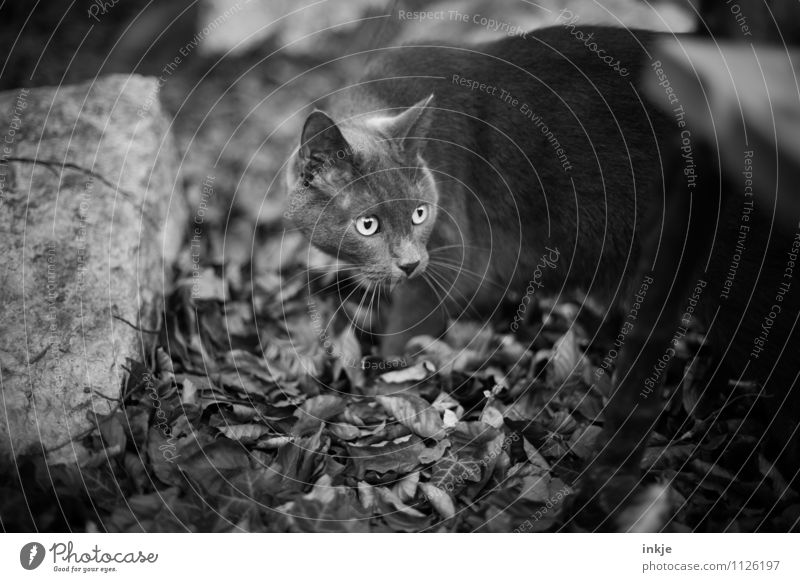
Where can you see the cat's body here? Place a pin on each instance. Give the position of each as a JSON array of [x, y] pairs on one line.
[[505, 161], [528, 145]]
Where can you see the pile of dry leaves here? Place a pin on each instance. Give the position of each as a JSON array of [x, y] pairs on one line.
[[263, 409]]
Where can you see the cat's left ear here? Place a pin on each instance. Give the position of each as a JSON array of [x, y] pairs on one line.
[[322, 139], [411, 127]]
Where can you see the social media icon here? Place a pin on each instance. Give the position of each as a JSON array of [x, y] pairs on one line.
[[31, 555]]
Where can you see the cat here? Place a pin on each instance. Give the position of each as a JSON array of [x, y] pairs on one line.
[[451, 171], [448, 173]]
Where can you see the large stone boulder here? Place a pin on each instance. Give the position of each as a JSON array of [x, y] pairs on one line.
[[91, 214]]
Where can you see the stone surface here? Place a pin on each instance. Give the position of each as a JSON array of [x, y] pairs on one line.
[[91, 213]]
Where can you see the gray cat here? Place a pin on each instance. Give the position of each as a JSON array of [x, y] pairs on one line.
[[454, 171], [458, 172]]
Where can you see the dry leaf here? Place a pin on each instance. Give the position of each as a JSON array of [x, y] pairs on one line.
[[441, 501], [244, 433], [407, 487], [566, 359], [415, 413], [492, 417], [415, 373]]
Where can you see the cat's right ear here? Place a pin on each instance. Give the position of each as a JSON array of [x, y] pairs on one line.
[[411, 127], [321, 139]]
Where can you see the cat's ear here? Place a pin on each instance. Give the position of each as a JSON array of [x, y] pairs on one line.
[[321, 138], [411, 127]]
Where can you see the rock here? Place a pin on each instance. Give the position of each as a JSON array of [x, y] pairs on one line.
[[91, 217]]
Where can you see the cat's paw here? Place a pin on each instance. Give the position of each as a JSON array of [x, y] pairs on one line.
[[392, 349]]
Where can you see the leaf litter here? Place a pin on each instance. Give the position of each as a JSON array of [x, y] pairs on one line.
[[272, 413]]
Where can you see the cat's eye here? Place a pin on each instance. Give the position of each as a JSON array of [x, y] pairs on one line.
[[367, 225], [420, 214]]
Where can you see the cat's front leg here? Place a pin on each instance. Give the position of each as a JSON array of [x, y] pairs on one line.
[[415, 310]]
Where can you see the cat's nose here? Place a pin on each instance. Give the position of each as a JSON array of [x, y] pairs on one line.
[[408, 268]]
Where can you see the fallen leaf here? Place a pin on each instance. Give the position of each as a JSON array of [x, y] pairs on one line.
[[445, 401], [274, 442], [407, 487], [189, 394], [346, 350], [244, 433], [534, 457], [433, 454], [344, 431], [212, 465], [323, 491], [648, 512], [415, 373], [441, 501], [584, 441], [451, 473], [113, 432], [208, 287], [388, 496], [449, 419], [315, 411], [415, 413], [366, 494], [492, 417], [343, 514], [566, 359], [400, 457]]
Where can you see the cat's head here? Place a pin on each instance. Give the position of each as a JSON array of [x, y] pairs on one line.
[[361, 191]]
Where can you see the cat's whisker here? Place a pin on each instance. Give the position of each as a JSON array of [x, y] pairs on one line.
[[446, 299], [319, 281], [446, 272], [370, 309], [326, 269], [480, 277], [320, 273], [290, 229], [457, 246], [336, 311], [342, 286], [439, 298], [309, 280], [456, 265], [464, 300], [335, 275], [337, 266], [429, 276], [381, 298], [361, 303]]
